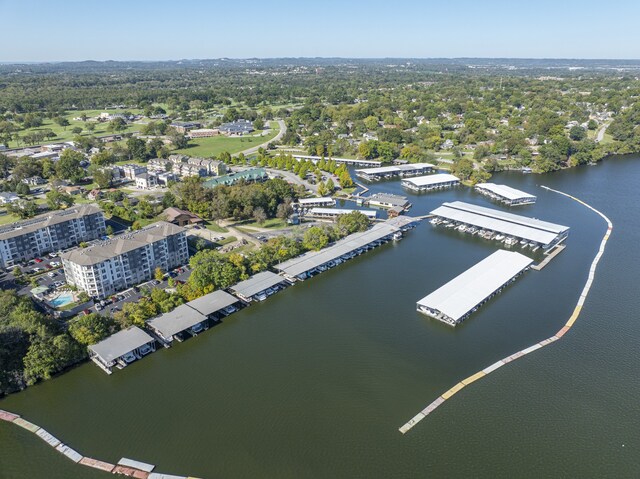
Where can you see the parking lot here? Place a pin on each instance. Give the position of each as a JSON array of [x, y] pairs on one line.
[[133, 295]]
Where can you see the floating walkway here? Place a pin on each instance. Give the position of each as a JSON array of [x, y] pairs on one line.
[[556, 251], [576, 312], [126, 467]]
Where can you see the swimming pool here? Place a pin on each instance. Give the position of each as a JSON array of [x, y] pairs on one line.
[[62, 299]]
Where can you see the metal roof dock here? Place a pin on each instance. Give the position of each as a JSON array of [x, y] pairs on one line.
[[385, 172], [211, 303], [304, 266], [505, 194], [335, 212], [457, 299], [258, 283], [167, 325], [541, 233], [111, 351], [431, 182]]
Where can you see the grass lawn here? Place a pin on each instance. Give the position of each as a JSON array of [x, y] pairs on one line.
[[8, 219], [273, 223], [215, 145], [65, 134], [215, 228], [227, 240]]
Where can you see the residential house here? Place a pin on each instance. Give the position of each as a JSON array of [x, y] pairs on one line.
[[180, 217]]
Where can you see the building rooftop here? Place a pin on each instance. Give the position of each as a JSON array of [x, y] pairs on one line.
[[47, 219], [505, 191], [121, 244], [252, 174], [431, 179], [121, 343], [256, 284], [212, 302], [463, 293], [176, 321]]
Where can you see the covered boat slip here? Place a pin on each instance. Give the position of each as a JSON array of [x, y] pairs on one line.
[[212, 303], [257, 285], [306, 203], [457, 299], [335, 212], [181, 319], [303, 266], [412, 169], [129, 344], [505, 194], [521, 227], [432, 182]]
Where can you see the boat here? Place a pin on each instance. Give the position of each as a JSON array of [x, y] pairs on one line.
[[261, 296], [434, 221], [510, 241], [146, 349], [230, 310], [499, 237], [523, 242], [397, 236]]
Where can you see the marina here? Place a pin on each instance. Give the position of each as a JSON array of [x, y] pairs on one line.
[[459, 298], [505, 194], [498, 225], [424, 184], [344, 161], [396, 171], [567, 326]]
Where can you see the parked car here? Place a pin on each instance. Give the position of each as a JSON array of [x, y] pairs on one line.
[[53, 255], [38, 260], [52, 274]]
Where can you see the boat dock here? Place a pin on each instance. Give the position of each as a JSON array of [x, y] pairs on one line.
[[567, 326], [505, 194], [127, 467], [425, 184], [345, 161], [396, 171], [463, 295], [498, 225], [556, 251]]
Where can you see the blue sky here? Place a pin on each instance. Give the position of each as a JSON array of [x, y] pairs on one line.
[[163, 30]]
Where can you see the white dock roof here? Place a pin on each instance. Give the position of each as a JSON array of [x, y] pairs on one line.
[[431, 179], [256, 284], [121, 343], [505, 191], [312, 201], [212, 302], [511, 217], [176, 321], [463, 293], [313, 259], [340, 211], [395, 169]]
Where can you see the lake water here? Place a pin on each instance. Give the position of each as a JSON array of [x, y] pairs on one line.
[[316, 381]]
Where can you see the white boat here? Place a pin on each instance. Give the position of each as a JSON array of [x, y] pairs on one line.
[[261, 297], [510, 241], [434, 221], [523, 242], [499, 237]]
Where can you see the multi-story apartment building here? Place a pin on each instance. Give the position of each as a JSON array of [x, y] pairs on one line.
[[126, 260], [50, 232]]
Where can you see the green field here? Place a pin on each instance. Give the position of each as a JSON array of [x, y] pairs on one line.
[[215, 228], [65, 134], [215, 145]]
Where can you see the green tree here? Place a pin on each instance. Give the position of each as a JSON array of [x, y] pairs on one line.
[[158, 274], [91, 328], [62, 121], [315, 238], [57, 199], [117, 125], [68, 166], [352, 222]]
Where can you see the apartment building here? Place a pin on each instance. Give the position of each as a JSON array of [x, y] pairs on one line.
[[50, 232], [126, 260]]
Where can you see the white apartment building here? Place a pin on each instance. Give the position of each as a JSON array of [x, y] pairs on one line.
[[50, 232], [126, 260]]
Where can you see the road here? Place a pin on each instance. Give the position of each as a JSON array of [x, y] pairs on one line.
[[254, 149], [601, 132]]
